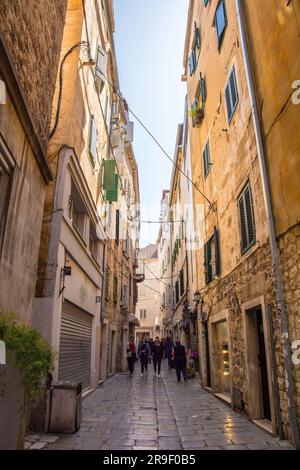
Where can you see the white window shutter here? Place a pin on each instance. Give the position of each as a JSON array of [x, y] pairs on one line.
[[101, 66]]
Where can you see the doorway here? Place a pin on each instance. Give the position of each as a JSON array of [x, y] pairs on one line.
[[103, 352], [258, 381], [207, 356]]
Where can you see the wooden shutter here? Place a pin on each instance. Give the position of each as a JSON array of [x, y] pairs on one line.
[[109, 174], [249, 216], [191, 63], [246, 213], [112, 193], [217, 252], [207, 260]]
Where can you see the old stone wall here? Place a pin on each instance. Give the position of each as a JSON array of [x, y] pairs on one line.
[[289, 245], [32, 32], [252, 278]]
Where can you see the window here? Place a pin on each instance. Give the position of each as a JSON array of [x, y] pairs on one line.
[[220, 21], [231, 95], [212, 257], [177, 292], [206, 2], [126, 243], [107, 282], [198, 105], [143, 314], [115, 289], [77, 210], [94, 243], [247, 223], [181, 278], [93, 141], [124, 296], [7, 165], [196, 45], [206, 159], [101, 68]]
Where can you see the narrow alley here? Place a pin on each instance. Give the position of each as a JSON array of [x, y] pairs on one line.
[[148, 413]]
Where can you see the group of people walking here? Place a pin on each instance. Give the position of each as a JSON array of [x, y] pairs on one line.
[[154, 351]]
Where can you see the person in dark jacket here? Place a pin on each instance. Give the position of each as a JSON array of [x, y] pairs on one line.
[[157, 355], [131, 355], [180, 360], [168, 349], [144, 354], [151, 345]]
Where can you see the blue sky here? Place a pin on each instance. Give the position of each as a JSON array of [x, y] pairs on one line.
[[149, 43]]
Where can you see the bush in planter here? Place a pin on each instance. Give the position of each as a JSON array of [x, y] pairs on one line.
[[32, 355]]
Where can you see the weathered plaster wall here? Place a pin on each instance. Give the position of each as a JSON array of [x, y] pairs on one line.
[[274, 41], [19, 253]]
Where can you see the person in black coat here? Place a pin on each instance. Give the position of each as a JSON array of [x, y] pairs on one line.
[[157, 355], [180, 360]]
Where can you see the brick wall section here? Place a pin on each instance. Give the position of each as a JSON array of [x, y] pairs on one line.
[[32, 34]]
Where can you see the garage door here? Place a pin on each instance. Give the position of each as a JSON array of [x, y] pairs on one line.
[[75, 345]]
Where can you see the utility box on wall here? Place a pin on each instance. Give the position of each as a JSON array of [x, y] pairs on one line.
[[66, 407]]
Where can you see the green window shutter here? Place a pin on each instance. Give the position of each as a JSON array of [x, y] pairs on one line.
[[109, 174], [243, 224], [207, 260], [217, 251], [112, 194], [249, 216]]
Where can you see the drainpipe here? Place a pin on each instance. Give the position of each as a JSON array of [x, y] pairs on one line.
[[289, 382]]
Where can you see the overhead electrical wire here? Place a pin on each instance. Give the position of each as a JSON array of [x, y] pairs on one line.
[[153, 138], [156, 277]]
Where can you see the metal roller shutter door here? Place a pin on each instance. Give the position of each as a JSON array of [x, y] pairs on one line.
[[75, 345]]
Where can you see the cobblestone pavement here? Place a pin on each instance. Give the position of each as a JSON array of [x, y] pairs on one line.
[[133, 413]]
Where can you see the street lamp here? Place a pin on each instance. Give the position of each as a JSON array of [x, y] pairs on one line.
[[197, 297]]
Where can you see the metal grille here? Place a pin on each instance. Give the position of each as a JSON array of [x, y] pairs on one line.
[[75, 345]]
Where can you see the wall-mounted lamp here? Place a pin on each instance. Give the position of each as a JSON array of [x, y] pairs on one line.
[[197, 297], [67, 270]]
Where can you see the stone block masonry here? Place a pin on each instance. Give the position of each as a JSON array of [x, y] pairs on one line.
[[32, 32]]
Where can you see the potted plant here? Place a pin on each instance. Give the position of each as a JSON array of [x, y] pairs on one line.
[[29, 359]]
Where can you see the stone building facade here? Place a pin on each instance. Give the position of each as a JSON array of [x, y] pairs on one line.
[[238, 308], [276, 78], [148, 305], [82, 252], [28, 45]]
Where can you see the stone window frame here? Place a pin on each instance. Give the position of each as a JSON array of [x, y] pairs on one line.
[[7, 169]]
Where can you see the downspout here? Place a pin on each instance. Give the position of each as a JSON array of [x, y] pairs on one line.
[[289, 382]]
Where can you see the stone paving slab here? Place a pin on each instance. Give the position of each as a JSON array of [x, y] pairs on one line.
[[149, 413]]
